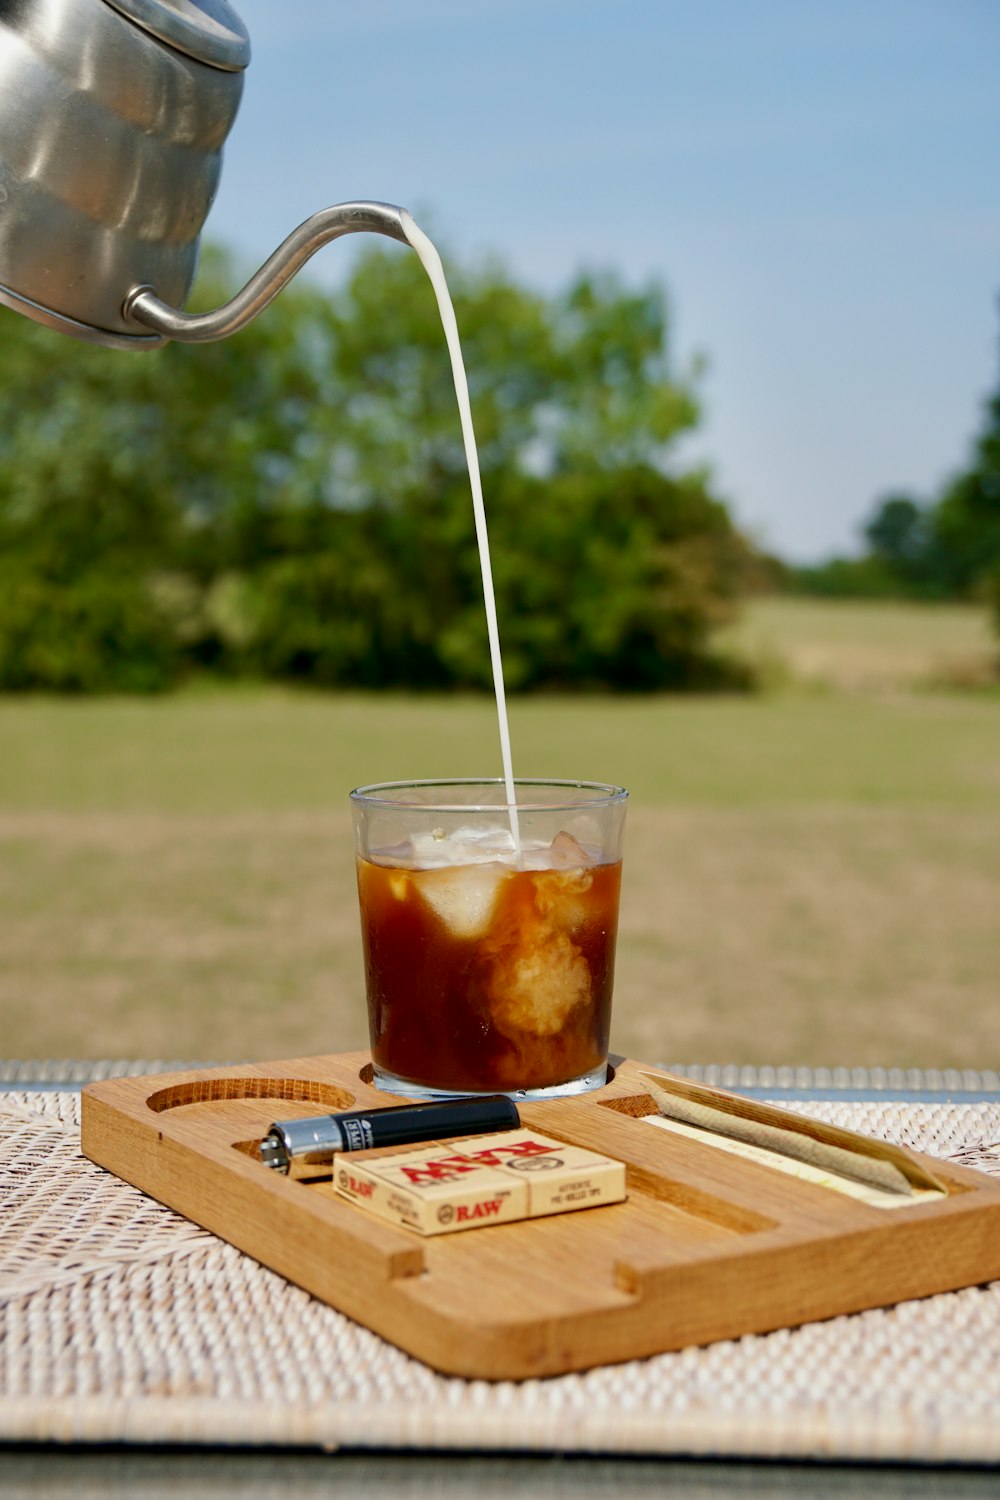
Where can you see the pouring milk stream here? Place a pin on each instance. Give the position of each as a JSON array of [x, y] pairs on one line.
[[431, 263]]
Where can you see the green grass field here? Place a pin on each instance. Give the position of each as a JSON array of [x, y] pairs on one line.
[[812, 876]]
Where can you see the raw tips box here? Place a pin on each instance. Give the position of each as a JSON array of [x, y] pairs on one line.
[[489, 1179]]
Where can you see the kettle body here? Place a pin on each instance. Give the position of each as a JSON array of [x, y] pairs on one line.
[[113, 115]]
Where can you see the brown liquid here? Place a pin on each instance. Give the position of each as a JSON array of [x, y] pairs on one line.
[[512, 991]]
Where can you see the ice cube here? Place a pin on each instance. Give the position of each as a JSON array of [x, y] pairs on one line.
[[394, 856], [463, 896], [535, 855], [462, 846], [567, 853]]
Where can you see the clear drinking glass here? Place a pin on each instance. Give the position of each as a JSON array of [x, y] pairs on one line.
[[489, 941]]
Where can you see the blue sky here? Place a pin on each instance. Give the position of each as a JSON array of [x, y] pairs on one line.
[[817, 184]]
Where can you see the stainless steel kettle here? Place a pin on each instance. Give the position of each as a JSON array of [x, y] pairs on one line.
[[113, 115]]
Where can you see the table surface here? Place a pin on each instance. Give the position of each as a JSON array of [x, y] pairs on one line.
[[56, 1468]]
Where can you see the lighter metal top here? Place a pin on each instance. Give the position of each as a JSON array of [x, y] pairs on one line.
[[208, 30]]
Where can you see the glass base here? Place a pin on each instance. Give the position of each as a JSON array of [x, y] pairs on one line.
[[390, 1084]]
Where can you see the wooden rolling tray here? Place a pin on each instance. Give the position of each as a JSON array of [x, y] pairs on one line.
[[708, 1245]]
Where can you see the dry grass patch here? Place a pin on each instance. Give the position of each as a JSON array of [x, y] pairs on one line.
[[855, 645], [763, 935], [138, 935], [855, 936]]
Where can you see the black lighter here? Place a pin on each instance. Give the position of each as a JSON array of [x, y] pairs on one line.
[[305, 1148]]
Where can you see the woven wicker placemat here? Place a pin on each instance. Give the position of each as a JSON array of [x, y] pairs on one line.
[[121, 1322]]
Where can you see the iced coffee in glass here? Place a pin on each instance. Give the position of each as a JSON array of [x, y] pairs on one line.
[[489, 939]]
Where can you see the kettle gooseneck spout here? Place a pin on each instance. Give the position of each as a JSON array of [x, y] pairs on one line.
[[143, 306]]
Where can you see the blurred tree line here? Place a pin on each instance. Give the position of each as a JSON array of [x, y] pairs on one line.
[[293, 502], [944, 548]]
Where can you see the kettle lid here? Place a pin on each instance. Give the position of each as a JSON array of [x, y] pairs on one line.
[[208, 30]]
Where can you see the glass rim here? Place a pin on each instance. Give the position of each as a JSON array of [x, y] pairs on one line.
[[376, 794]]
